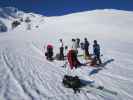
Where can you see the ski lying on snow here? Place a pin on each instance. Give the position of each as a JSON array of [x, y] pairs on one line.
[[90, 87]]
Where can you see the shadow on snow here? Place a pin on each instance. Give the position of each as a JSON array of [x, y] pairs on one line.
[[100, 67]]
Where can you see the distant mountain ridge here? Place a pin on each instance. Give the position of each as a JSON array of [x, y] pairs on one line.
[[10, 14]]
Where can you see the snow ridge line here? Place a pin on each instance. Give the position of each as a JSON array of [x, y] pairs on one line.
[[11, 71]]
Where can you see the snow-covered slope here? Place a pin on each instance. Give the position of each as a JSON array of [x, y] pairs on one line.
[[97, 22], [25, 74]]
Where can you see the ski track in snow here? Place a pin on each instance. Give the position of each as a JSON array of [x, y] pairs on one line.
[[10, 66], [35, 79]]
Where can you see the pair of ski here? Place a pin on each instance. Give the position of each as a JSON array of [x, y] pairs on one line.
[[97, 90], [90, 88]]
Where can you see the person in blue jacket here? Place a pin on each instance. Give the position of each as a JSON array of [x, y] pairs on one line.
[[96, 51]]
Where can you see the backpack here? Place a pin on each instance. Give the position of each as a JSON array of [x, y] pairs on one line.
[[71, 81]]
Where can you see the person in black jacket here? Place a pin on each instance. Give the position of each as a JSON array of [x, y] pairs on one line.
[[86, 47], [96, 51]]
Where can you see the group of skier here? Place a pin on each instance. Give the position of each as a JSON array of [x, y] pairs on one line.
[[72, 53]]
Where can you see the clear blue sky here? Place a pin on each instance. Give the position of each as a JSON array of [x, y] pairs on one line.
[[61, 7]]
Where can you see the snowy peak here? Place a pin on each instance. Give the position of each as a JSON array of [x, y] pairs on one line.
[[11, 15], [10, 12], [7, 14]]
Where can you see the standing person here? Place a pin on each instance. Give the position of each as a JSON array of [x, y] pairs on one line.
[[78, 42], [82, 46], [74, 46], [96, 51], [61, 49], [86, 48]]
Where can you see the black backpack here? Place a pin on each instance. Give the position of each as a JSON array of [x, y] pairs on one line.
[[71, 81]]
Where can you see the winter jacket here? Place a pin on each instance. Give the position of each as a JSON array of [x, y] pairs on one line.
[[82, 46], [72, 59], [61, 44], [86, 45], [96, 49], [49, 52]]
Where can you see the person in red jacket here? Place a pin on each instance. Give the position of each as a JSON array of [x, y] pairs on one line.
[[72, 59], [49, 53]]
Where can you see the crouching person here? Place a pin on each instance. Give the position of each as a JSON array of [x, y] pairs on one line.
[[72, 59], [49, 52]]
